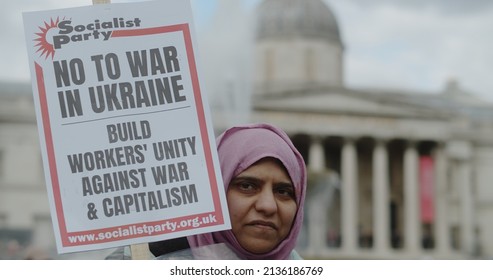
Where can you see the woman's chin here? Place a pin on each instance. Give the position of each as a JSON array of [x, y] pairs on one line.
[[258, 245]]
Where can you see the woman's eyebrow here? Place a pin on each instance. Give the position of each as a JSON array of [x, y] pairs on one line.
[[287, 184], [284, 185], [245, 177]]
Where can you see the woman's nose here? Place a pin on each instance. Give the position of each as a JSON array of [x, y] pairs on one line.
[[266, 202]]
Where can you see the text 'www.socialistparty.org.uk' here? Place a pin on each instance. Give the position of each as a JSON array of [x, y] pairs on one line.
[[142, 230]]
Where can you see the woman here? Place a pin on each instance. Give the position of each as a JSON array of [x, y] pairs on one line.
[[265, 180]]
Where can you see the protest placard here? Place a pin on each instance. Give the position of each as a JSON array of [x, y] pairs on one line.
[[125, 129]]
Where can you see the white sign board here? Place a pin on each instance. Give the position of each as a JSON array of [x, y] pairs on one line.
[[125, 130]]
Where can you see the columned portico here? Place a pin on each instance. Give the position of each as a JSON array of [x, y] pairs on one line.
[[404, 157]]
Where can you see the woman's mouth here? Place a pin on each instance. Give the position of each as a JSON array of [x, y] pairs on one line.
[[263, 224]]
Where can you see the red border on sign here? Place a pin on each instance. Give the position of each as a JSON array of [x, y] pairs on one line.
[[217, 215]]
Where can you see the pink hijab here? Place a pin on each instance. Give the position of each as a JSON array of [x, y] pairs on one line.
[[238, 148]]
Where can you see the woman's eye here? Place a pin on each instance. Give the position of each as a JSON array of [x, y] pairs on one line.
[[286, 192], [246, 186]]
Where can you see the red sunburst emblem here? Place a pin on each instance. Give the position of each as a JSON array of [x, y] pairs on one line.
[[44, 46]]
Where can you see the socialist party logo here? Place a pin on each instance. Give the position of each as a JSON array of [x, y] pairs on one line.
[[58, 33]]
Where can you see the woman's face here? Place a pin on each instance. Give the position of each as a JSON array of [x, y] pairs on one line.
[[262, 205]]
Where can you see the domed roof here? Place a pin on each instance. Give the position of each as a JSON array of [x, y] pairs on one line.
[[296, 19]]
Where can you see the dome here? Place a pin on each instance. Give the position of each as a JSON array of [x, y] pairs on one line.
[[308, 19]]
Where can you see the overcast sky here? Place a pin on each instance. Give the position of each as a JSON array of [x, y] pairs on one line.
[[414, 45], [418, 44]]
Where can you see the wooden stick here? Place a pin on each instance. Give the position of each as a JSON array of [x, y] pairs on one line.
[[138, 251]]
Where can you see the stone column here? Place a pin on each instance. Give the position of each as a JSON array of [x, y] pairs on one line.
[[381, 215], [461, 153], [442, 236], [317, 205], [316, 155], [467, 204], [411, 203], [349, 197]]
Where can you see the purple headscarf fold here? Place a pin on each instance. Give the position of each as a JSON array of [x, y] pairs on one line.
[[238, 148]]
